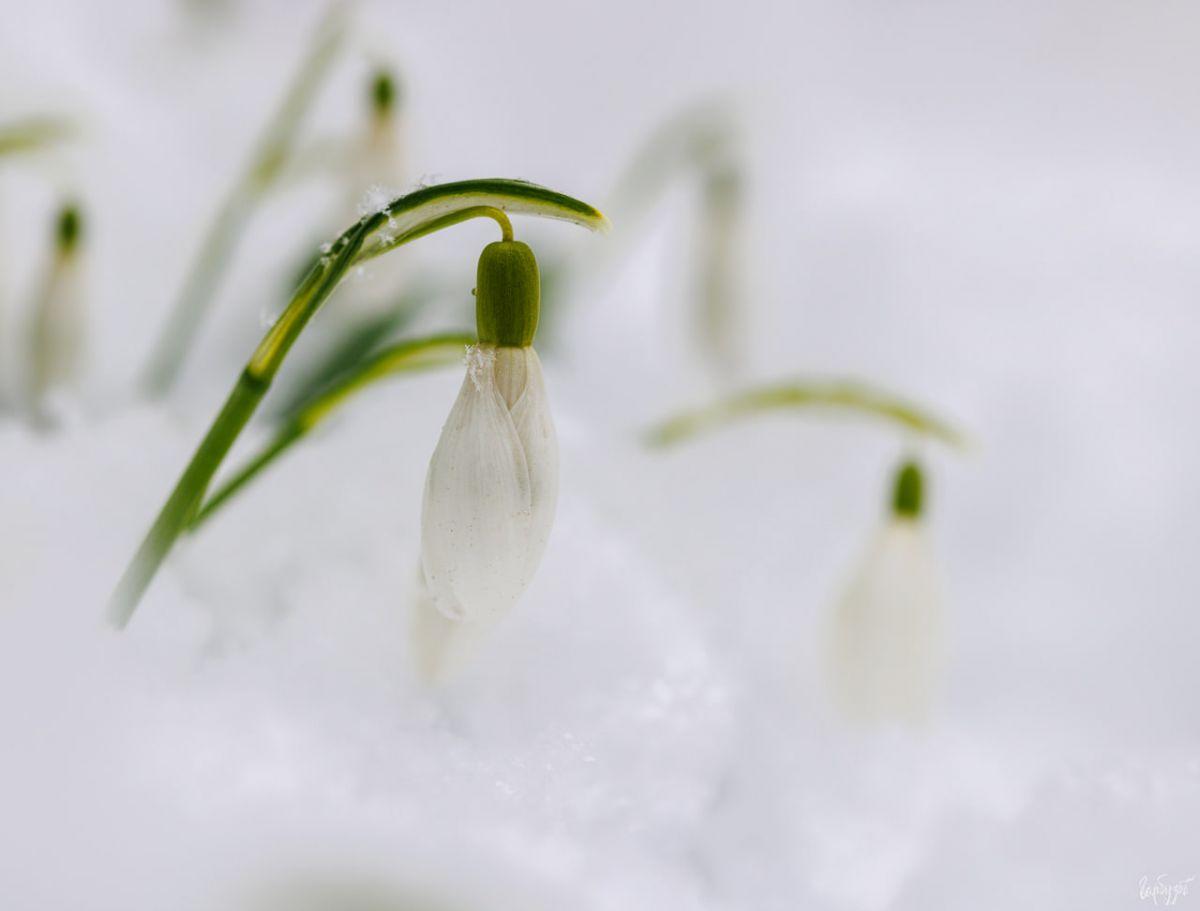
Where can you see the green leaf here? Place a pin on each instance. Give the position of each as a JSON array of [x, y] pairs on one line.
[[432, 208], [837, 395], [224, 233], [31, 134]]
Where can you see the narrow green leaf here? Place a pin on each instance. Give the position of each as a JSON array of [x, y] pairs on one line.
[[31, 134], [228, 226], [838, 395], [429, 209]]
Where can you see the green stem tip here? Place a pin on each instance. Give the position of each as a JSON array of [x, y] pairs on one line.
[[32, 134], [229, 224], [908, 491]]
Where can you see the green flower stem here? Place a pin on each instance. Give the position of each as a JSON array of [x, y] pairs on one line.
[[717, 315], [404, 357], [405, 217], [840, 395], [227, 228], [385, 244]]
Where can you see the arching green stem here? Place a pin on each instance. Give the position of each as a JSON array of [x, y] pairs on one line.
[[387, 243], [404, 217], [840, 395]]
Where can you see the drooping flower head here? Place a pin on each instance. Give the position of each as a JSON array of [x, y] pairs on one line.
[[57, 333], [887, 637], [492, 484]]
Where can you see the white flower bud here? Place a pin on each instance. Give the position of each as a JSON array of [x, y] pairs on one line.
[[492, 487], [441, 647], [887, 637], [57, 333]]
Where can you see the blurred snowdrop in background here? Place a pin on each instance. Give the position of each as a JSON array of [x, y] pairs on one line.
[[887, 630], [988, 209]]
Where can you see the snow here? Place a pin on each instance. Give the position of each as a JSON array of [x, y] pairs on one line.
[[991, 210], [375, 198]]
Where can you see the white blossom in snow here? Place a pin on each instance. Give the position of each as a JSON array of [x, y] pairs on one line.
[[887, 636], [492, 487], [57, 325]]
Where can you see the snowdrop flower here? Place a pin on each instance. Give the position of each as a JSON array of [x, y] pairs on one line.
[[56, 333], [887, 631], [375, 166], [493, 480], [379, 155], [374, 173]]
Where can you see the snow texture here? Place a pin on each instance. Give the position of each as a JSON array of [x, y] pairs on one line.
[[991, 208]]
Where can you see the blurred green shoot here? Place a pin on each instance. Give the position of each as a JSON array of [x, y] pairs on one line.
[[32, 134], [717, 285], [698, 148], [696, 140], [361, 326], [400, 221], [409, 356], [262, 173], [830, 395]]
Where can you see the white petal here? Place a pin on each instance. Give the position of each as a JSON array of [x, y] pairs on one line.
[[887, 634], [56, 346], [441, 646], [478, 509], [535, 427]]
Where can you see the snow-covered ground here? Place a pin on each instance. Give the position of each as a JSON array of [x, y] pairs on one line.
[[988, 207]]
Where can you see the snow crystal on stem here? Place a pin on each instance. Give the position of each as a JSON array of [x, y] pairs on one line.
[[376, 199]]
